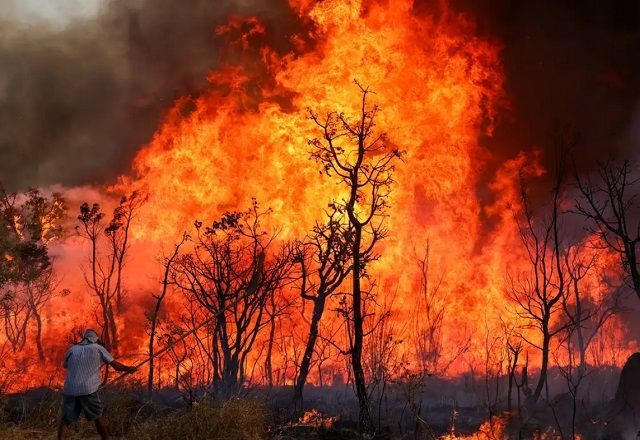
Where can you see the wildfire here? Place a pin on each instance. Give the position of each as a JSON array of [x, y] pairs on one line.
[[440, 89], [493, 429], [316, 419]]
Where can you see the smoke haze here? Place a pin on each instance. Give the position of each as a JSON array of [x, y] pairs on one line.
[[80, 93], [77, 101]]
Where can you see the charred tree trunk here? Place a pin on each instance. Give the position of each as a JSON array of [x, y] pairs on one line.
[[366, 423], [229, 386], [512, 376], [305, 365], [113, 328], [542, 380], [226, 387], [268, 364], [152, 336], [38, 318], [582, 348], [632, 261]]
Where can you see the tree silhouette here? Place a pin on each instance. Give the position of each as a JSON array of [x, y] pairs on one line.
[[232, 271], [106, 262], [611, 207], [362, 162], [28, 224], [538, 293], [324, 264], [153, 316]]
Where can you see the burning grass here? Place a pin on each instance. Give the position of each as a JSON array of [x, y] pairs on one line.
[[493, 429]]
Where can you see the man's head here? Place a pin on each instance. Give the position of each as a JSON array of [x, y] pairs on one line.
[[90, 335]]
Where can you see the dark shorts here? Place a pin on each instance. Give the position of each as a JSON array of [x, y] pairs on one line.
[[73, 406]]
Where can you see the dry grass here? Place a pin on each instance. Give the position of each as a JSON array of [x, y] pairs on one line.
[[233, 420], [83, 430]]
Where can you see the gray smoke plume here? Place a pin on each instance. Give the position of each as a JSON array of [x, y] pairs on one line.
[[78, 98]]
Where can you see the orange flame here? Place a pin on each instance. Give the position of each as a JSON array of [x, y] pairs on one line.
[[440, 88]]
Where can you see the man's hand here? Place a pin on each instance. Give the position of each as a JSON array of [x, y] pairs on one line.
[[123, 368]]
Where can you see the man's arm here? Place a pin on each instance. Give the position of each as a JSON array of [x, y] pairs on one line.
[[122, 367], [108, 359], [67, 355]]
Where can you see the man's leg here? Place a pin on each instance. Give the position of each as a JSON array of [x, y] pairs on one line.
[[70, 413], [102, 428], [62, 430], [93, 408]]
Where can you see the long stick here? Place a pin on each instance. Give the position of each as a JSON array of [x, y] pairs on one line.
[[253, 286], [168, 347]]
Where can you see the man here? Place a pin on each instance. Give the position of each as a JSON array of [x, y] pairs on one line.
[[83, 362]]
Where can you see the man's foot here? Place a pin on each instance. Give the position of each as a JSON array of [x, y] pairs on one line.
[[62, 431], [102, 429]]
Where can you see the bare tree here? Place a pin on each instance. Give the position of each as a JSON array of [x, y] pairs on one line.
[[107, 266], [610, 204], [513, 354], [380, 355], [362, 161], [494, 360], [153, 316], [16, 316], [179, 351], [38, 293], [586, 314], [118, 234], [539, 292], [277, 311], [573, 372], [428, 317], [324, 264], [232, 272]]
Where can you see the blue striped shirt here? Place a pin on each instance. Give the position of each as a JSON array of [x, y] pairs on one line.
[[83, 362]]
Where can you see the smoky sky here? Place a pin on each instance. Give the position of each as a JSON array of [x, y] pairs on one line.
[[77, 101], [568, 63]]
